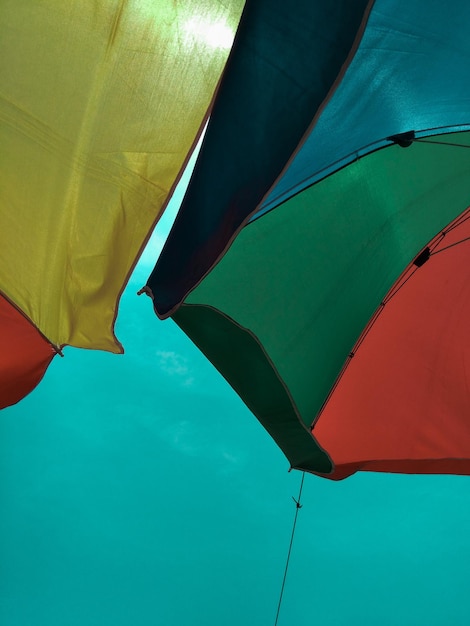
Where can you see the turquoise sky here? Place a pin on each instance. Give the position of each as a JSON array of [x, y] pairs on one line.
[[138, 490]]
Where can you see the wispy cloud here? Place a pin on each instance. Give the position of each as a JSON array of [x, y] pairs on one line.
[[186, 437], [175, 364]]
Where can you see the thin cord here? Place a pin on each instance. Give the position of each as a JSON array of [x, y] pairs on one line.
[[298, 506]]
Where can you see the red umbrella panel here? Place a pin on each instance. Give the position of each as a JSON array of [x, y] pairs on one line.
[[407, 380]]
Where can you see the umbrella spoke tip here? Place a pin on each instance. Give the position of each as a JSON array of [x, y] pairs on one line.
[[404, 140]]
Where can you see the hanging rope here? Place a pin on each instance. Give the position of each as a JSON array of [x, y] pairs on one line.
[[298, 506]]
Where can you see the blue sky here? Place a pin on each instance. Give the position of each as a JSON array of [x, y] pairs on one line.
[[139, 490]]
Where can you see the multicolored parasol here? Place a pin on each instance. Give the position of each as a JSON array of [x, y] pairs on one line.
[[323, 243]]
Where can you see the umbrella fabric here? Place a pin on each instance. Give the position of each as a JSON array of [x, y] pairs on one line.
[[282, 67], [101, 105], [24, 356], [382, 169], [407, 381]]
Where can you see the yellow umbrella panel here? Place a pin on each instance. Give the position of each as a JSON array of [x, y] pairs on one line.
[[100, 107]]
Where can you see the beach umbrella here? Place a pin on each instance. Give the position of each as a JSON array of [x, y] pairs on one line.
[[101, 104], [321, 255]]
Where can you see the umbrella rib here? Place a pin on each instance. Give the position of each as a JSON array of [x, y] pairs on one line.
[[463, 218], [441, 143], [451, 245]]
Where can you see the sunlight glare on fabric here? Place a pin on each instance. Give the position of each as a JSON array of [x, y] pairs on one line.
[[214, 34]]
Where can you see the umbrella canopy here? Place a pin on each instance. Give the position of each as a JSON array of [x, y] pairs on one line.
[[101, 105], [327, 281]]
